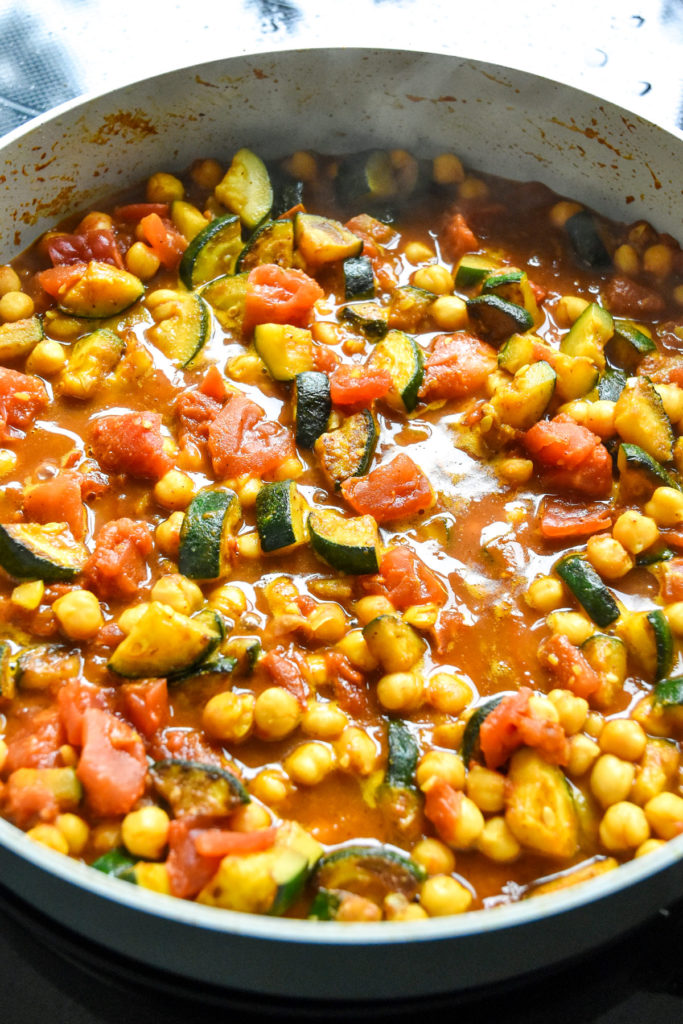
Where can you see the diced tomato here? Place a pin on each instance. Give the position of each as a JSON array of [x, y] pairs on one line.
[[671, 581], [448, 630], [220, 842], [569, 666], [572, 457], [22, 398], [325, 358], [458, 365], [511, 725], [95, 244], [242, 440], [188, 870], [167, 244], [370, 230], [279, 295], [146, 704], [393, 491], [443, 807], [406, 580], [286, 672], [457, 237], [117, 566], [58, 501], [183, 744], [196, 412], [560, 520], [73, 700], [625, 297], [36, 743], [108, 636], [113, 765], [213, 385], [25, 803], [350, 688], [358, 385], [58, 280], [131, 443], [136, 211]]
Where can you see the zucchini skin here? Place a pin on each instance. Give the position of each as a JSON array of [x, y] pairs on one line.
[[279, 515], [585, 240], [588, 588], [313, 406], [356, 556], [208, 517], [21, 561]]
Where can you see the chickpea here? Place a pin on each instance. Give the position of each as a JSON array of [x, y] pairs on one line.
[[327, 622], [649, 846], [464, 832], [546, 594], [397, 908], [79, 614], [433, 278], [47, 358], [634, 531], [608, 557], [624, 738], [449, 313], [229, 716], [9, 280], [626, 259], [316, 670], [611, 779], [105, 836], [153, 876], [434, 856], [276, 713], [309, 764], [249, 545], [400, 691], [665, 506], [164, 188], [624, 827], [302, 165], [50, 836], [486, 788], [473, 188], [665, 815], [15, 306], [443, 895], [270, 785], [167, 535], [447, 169], [583, 753], [672, 400], [250, 818], [354, 646], [181, 593], [129, 617], [370, 607], [573, 625], [516, 471], [229, 600], [658, 260], [145, 832], [497, 841], [206, 173], [441, 764], [569, 309], [142, 261], [356, 751], [323, 721], [418, 252], [175, 490], [562, 211], [572, 710], [248, 492], [75, 831], [448, 692]]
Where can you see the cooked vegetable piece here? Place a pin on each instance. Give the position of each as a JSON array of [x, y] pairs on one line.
[[359, 281], [589, 334], [521, 402], [91, 360], [118, 863], [206, 534], [409, 307], [286, 350], [192, 788], [402, 358], [495, 318], [7, 673], [393, 491], [366, 177], [348, 450], [472, 270], [312, 406], [280, 511], [588, 588], [20, 338], [612, 382], [640, 419], [246, 189], [539, 809], [321, 240], [669, 692], [226, 295], [649, 640], [99, 291], [371, 871], [628, 346], [394, 643], [47, 551], [163, 642], [512, 284], [182, 326], [213, 252], [640, 474], [585, 240], [349, 545], [272, 242], [470, 747], [369, 317]]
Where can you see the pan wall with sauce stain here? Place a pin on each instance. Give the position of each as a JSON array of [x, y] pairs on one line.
[[507, 122]]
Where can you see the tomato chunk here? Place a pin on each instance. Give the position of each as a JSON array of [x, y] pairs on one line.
[[195, 411], [443, 804], [167, 244], [95, 244], [24, 802], [188, 870], [571, 456], [242, 440], [131, 443], [73, 700], [22, 398], [458, 365], [511, 725], [279, 295], [569, 666], [358, 385], [406, 580], [458, 237], [113, 765], [146, 704], [58, 501], [560, 520], [36, 743], [220, 842], [393, 491], [117, 566], [285, 672]]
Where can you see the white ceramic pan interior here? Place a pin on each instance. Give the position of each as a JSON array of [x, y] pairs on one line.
[[506, 122]]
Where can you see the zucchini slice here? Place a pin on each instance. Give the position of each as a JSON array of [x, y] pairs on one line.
[[194, 788], [640, 419], [366, 177], [118, 863], [521, 402], [213, 252], [359, 280], [370, 871], [322, 240], [280, 511], [312, 406], [539, 809], [470, 749], [348, 450], [589, 334], [163, 643], [585, 240], [246, 189], [368, 317], [272, 242], [512, 284], [102, 291], [19, 338], [628, 346], [639, 474], [245, 651], [518, 351], [226, 296], [400, 355], [182, 326], [668, 693], [8, 685], [588, 588], [607, 655], [208, 527], [472, 270], [348, 545], [394, 643], [495, 319], [325, 905], [612, 382], [409, 307], [288, 192], [398, 796], [31, 551], [285, 350], [91, 360], [649, 639]]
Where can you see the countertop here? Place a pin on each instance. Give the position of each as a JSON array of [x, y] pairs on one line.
[[54, 50]]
